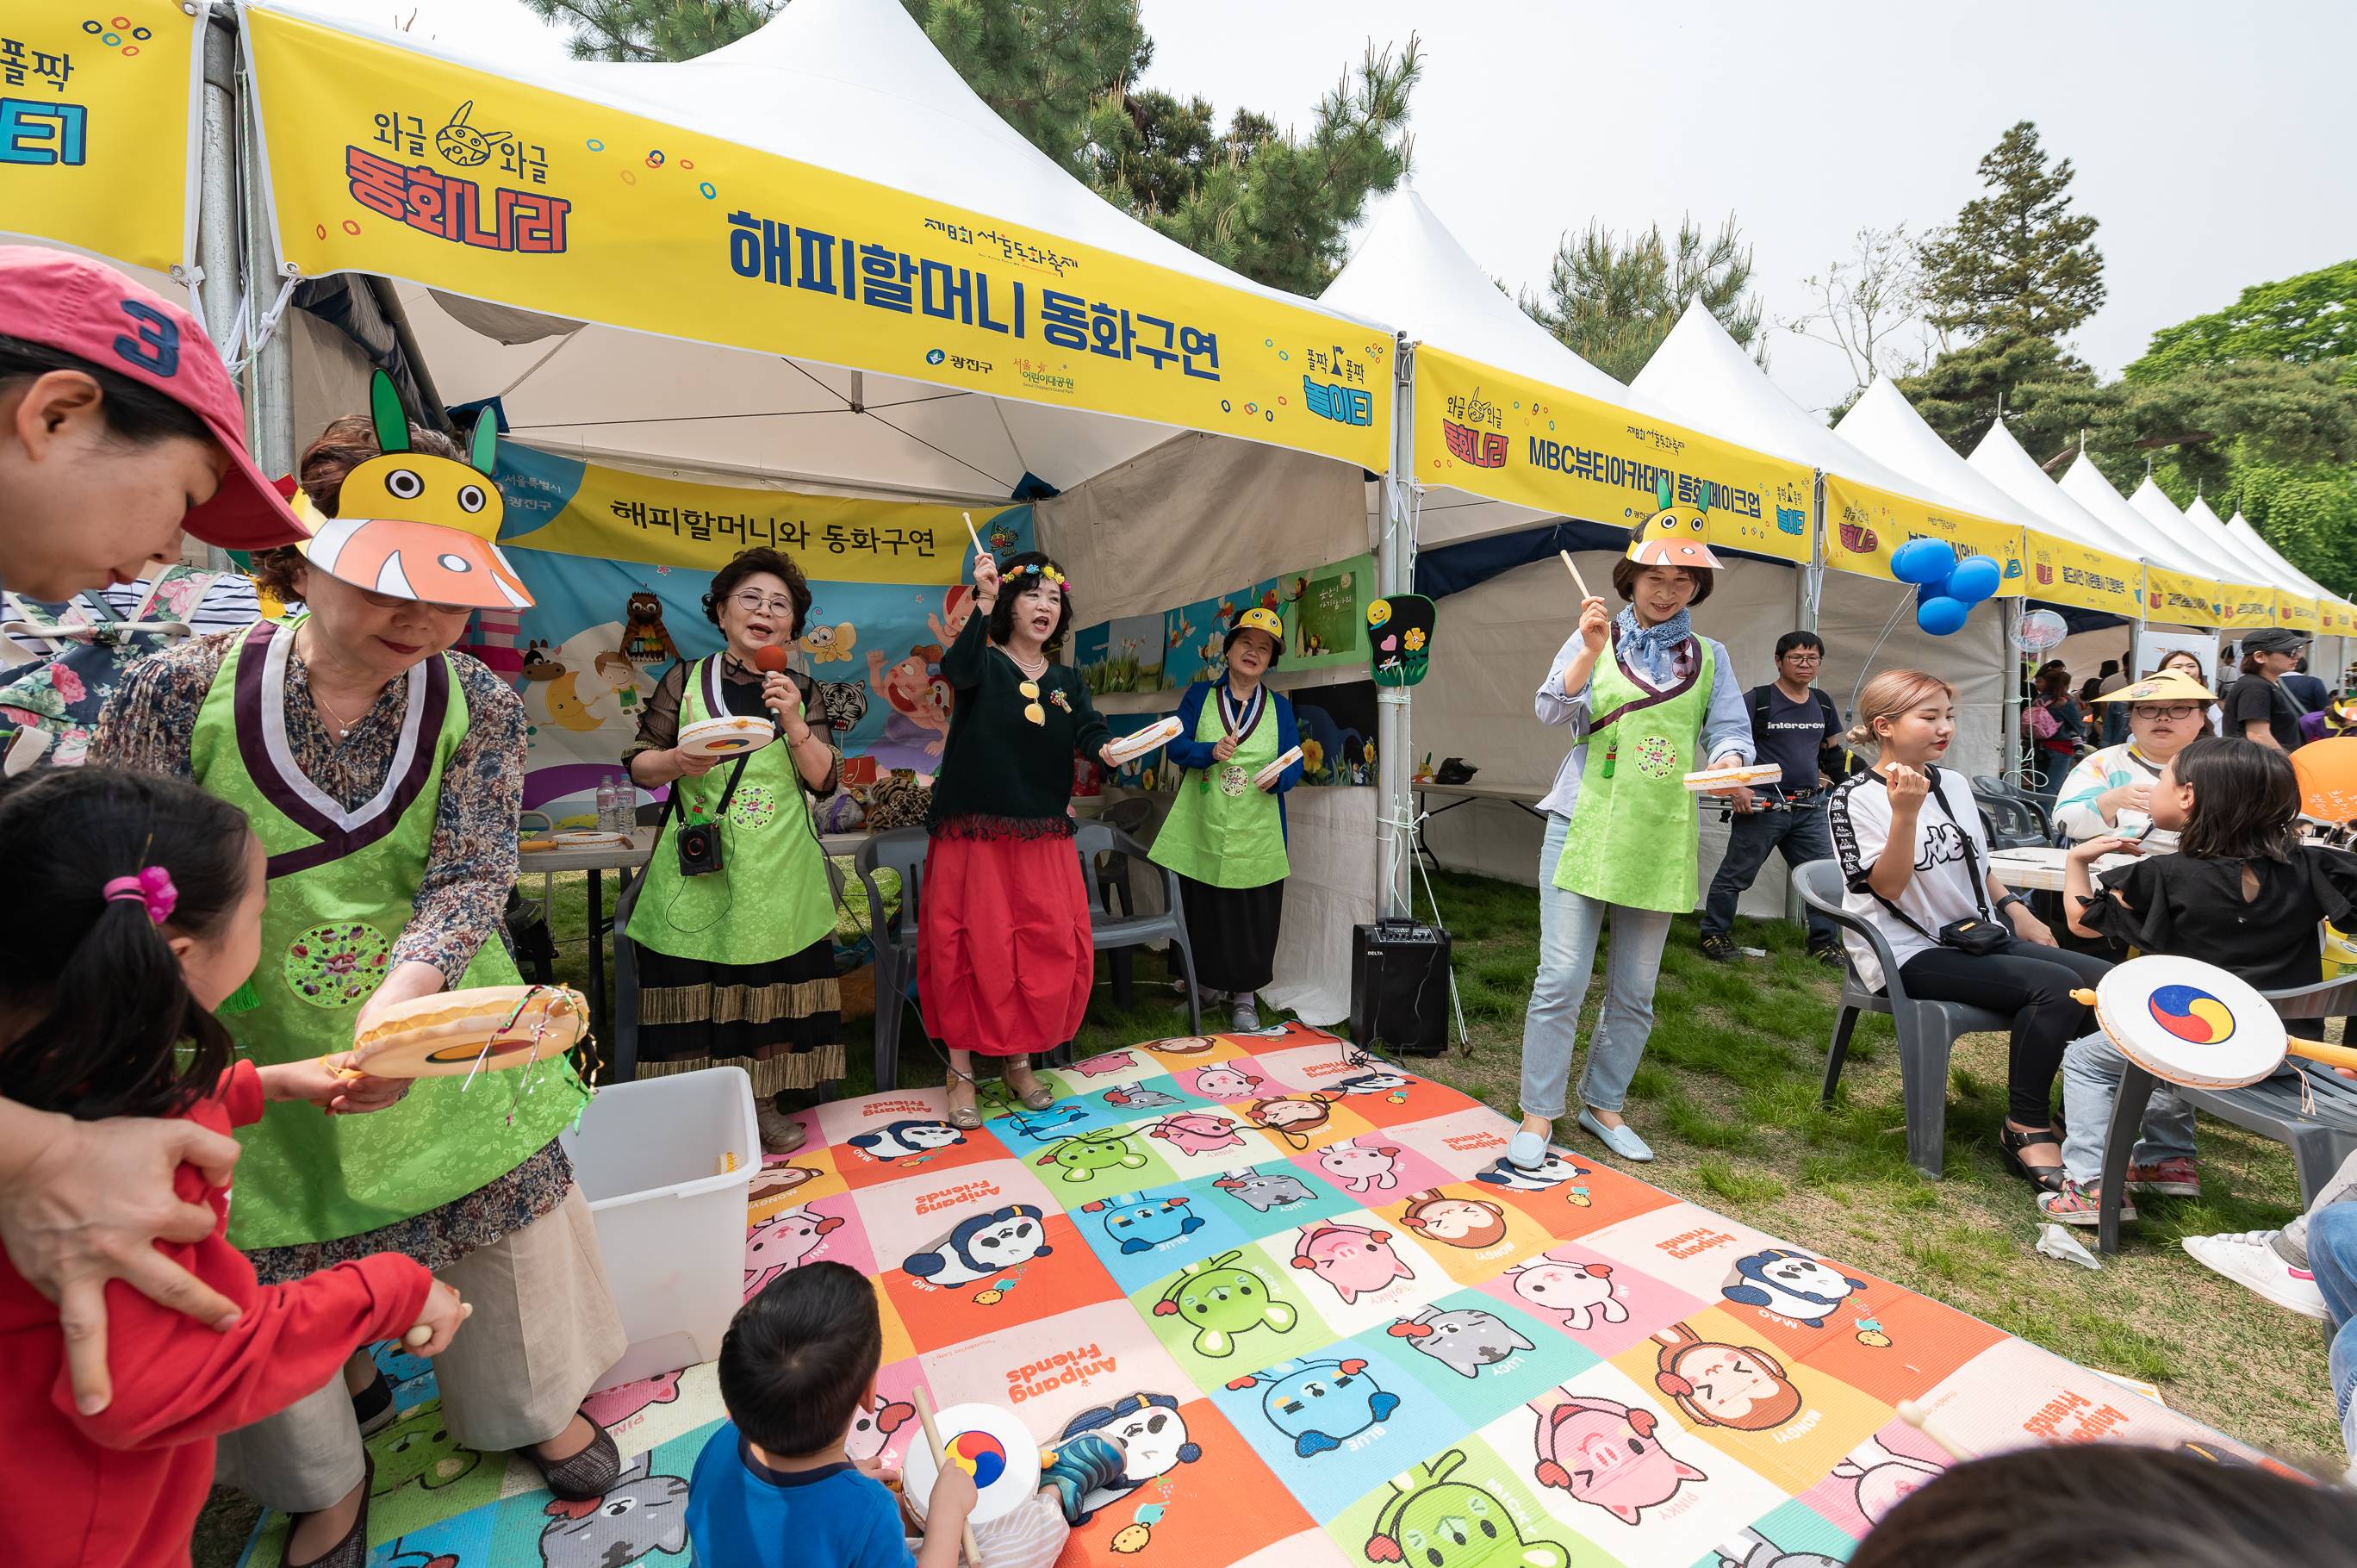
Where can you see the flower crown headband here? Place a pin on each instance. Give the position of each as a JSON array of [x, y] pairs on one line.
[[1048, 573]]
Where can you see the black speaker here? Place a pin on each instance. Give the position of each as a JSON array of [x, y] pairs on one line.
[[1399, 986]]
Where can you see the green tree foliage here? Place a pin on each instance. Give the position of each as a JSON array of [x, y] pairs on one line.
[[2016, 260], [1612, 299], [627, 30], [2304, 319], [1044, 65], [2048, 396]]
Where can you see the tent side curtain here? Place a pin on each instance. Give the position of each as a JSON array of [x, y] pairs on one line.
[[1511, 438], [494, 187]]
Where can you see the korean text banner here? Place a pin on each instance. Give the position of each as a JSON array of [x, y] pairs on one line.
[[2248, 607], [2333, 618], [94, 126], [1864, 525], [389, 161], [2183, 598], [1517, 440], [2067, 573], [2295, 611]]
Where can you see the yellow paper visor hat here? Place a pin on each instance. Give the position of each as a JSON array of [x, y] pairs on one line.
[[2161, 686], [1671, 536]]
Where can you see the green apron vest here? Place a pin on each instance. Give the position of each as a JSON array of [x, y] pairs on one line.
[[342, 885], [1223, 831], [1633, 837], [769, 854]]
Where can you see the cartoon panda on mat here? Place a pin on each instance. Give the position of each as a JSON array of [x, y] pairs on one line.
[[1790, 1284], [906, 1140], [1153, 1439], [1321, 1404], [1555, 1169], [982, 1246]]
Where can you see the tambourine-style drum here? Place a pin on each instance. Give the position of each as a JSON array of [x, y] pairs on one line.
[[482, 1029], [1745, 773], [1130, 747], [730, 735], [1269, 775], [989, 1444], [2189, 1022]]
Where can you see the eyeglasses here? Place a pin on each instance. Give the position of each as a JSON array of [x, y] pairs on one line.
[[392, 602], [752, 603], [2174, 711], [1797, 657]]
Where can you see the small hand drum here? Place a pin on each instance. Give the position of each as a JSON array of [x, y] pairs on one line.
[[1268, 776], [1745, 773], [990, 1445], [730, 735], [2188, 1022], [457, 1032], [1130, 747]]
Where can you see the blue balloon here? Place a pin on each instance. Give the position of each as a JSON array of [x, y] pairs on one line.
[[1943, 616], [1975, 578], [1922, 561]]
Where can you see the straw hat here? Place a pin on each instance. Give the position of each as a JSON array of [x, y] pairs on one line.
[[2159, 687]]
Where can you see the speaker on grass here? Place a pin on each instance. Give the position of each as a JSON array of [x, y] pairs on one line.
[[1399, 986]]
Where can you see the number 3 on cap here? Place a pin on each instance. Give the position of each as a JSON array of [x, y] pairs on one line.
[[156, 349]]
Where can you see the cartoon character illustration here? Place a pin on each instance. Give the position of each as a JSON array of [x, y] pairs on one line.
[[1264, 1192], [1219, 1301], [1464, 1339], [1441, 1523], [1097, 1067], [1750, 1548], [1224, 1082], [611, 1407], [1153, 1438], [1379, 1082], [1471, 1224], [1582, 1293], [982, 1246], [782, 1242], [830, 644], [1352, 1259], [1739, 1386], [572, 696], [639, 1513], [907, 1140], [419, 1447], [1140, 1225], [1040, 1126], [1293, 1117], [843, 704], [1361, 1168], [1321, 1404], [1791, 1285], [1605, 1452], [872, 1429], [1883, 1479], [776, 1181], [1140, 1098], [537, 665], [1085, 1154], [1180, 1046], [957, 605], [919, 724], [1554, 1170], [464, 145], [1197, 1131], [645, 639]]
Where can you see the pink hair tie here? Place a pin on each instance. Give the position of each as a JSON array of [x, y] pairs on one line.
[[152, 888]]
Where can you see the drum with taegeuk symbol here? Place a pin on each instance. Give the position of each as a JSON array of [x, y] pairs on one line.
[[2189, 1022]]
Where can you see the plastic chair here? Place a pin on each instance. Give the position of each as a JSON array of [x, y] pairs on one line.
[[2319, 1139], [901, 850], [2014, 823], [1111, 874], [1927, 1030], [1115, 932]]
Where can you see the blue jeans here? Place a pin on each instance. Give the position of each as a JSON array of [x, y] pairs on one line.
[[2333, 1258], [1569, 927], [2090, 1083], [1801, 834]]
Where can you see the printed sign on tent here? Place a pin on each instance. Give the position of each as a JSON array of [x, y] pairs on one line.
[[1865, 526], [2183, 598], [2069, 573], [2247, 608], [1324, 610]]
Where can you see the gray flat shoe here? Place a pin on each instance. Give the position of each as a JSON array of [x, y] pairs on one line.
[[964, 1118]]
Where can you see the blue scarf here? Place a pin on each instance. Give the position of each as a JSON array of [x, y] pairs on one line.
[[1650, 649]]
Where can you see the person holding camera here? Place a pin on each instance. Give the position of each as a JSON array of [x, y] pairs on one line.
[[735, 917], [1791, 724]]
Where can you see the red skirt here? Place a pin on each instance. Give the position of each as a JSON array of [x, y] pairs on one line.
[[1003, 959]]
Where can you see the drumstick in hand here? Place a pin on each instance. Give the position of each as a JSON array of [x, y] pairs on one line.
[[424, 1332], [1576, 580], [941, 1458], [970, 533], [1916, 1416]]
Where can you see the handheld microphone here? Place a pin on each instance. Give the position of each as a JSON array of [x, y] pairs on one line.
[[770, 659]]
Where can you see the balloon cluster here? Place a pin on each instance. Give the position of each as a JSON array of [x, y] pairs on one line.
[[1946, 589]]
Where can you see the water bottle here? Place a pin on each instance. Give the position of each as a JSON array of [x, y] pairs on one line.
[[626, 803], [605, 802]]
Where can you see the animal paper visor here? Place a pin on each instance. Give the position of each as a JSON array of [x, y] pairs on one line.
[[2159, 687], [415, 526], [1671, 536]]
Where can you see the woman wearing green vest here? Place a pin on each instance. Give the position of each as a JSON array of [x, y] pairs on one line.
[[1225, 836], [1622, 831], [728, 978], [384, 777]]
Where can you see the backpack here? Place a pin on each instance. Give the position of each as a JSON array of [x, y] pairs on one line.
[[2039, 722], [1834, 759]]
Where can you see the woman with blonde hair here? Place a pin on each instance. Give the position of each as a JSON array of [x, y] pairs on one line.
[[1934, 905]]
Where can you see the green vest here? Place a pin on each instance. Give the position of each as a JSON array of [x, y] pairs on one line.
[[768, 852], [1634, 835], [342, 885], [1223, 831]]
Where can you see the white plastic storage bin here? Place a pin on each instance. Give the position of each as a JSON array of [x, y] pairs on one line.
[[665, 1164]]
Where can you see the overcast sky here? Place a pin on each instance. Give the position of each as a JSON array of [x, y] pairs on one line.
[[2207, 140]]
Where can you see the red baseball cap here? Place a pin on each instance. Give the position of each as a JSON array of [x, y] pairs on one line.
[[86, 308]]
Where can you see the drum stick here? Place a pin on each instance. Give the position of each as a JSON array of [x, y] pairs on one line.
[[2330, 1055], [424, 1332], [1916, 1416], [970, 533], [941, 1458], [1576, 580]]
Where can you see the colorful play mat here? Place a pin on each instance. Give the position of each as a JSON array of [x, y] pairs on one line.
[[1330, 1326]]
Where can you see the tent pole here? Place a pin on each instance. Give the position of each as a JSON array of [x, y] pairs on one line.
[[217, 200], [1396, 573], [1808, 583], [270, 378], [2009, 743]]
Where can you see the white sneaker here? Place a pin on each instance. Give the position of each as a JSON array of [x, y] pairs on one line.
[[779, 1134], [2247, 1258]]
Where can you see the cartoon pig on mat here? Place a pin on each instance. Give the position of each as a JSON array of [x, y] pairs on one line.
[[782, 1242], [1581, 1291], [1352, 1259], [1605, 1452], [1196, 1132], [1360, 1169]]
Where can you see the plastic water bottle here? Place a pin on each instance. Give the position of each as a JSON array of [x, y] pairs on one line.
[[605, 802], [626, 803]]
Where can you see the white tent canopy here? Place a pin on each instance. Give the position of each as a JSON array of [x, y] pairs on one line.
[[2085, 484], [2000, 460], [2240, 531]]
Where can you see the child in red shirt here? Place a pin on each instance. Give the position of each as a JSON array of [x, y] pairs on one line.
[[135, 909]]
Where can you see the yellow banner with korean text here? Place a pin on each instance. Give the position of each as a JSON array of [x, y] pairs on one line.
[[1864, 525], [2181, 597], [94, 126], [2068, 573], [383, 159], [2297, 611], [2333, 618], [2248, 607], [1514, 439]]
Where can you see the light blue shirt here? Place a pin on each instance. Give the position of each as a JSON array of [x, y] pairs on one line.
[[1726, 725]]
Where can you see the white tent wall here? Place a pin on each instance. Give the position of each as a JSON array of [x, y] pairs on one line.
[[1975, 660]]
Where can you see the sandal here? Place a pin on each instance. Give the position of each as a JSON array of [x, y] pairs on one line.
[[1039, 1097], [2009, 1143], [964, 1118]]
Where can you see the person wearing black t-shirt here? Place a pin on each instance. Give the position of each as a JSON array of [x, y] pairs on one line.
[[1793, 724], [2261, 710]]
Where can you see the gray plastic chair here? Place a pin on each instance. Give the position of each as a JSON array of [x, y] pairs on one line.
[[1927, 1030], [2014, 821], [2319, 1139], [1114, 932], [901, 850]]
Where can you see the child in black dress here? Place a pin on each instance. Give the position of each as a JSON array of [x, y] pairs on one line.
[[2242, 892]]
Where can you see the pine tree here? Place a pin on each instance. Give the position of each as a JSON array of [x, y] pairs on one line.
[[1613, 300], [624, 30], [2016, 260]]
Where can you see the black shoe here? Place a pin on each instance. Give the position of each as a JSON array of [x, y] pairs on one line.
[[2009, 1143], [372, 1406], [588, 1473], [352, 1551], [1830, 954], [1719, 949]]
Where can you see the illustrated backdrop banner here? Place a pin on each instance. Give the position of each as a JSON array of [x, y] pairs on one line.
[[2086, 579], [1331, 1327], [1514, 439], [94, 126], [390, 160], [1865, 524]]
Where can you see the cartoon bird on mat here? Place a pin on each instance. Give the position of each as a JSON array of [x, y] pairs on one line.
[[645, 639]]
